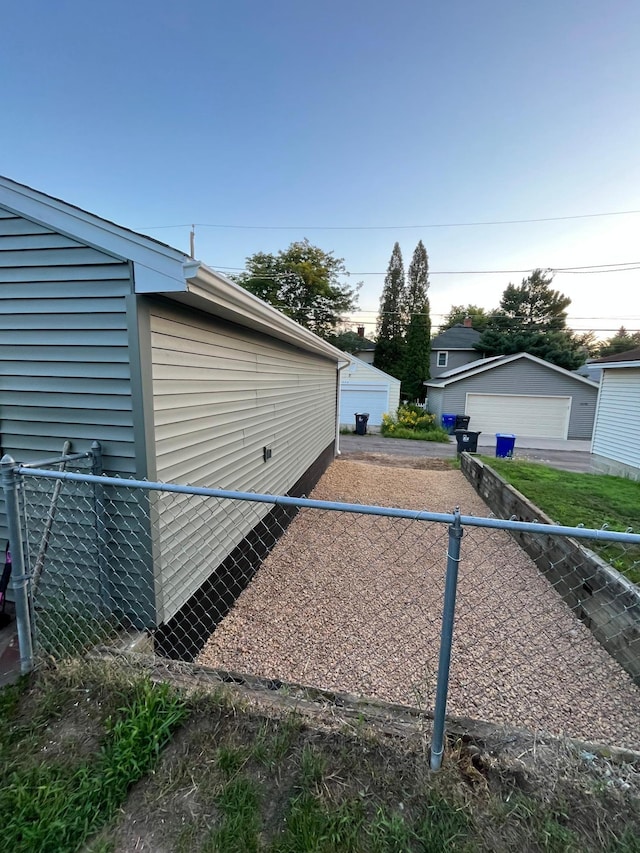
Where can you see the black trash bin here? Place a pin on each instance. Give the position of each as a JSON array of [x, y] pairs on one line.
[[467, 440], [462, 422], [361, 422]]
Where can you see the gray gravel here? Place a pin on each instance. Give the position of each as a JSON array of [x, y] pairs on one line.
[[353, 603]]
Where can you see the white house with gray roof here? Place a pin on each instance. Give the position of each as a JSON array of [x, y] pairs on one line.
[[454, 348]]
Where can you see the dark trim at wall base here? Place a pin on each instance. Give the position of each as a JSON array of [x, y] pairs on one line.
[[184, 635]]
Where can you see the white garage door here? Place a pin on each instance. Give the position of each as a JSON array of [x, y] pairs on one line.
[[542, 417], [371, 399]]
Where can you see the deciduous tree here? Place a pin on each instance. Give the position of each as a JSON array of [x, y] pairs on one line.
[[458, 313], [304, 283]]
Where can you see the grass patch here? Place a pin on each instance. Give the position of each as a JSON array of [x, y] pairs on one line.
[[243, 777], [55, 804], [435, 434], [593, 500]]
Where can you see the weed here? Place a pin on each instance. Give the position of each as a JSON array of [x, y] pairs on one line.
[[239, 804], [55, 806]]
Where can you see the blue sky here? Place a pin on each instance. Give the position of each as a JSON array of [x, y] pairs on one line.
[[345, 114]]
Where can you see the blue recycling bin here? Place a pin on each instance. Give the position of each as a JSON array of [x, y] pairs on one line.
[[449, 423], [505, 442]]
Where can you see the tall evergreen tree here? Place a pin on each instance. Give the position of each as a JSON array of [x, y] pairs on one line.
[[418, 335], [390, 329], [532, 318]]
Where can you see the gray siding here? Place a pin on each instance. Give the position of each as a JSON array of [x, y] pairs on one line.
[[64, 354], [221, 394], [618, 449], [457, 358], [522, 377]]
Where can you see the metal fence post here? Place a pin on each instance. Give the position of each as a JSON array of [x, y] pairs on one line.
[[101, 527], [446, 639], [19, 582]]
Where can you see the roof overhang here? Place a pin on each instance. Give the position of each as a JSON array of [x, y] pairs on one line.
[[154, 262], [162, 270], [618, 364], [480, 366], [213, 293]]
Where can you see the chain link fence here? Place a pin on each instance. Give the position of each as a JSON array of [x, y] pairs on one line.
[[341, 597]]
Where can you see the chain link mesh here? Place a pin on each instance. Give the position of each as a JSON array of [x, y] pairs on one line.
[[341, 601]]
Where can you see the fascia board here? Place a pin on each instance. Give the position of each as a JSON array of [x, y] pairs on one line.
[[477, 367], [222, 297], [157, 267], [616, 365]]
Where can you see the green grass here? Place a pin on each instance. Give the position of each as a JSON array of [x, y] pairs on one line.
[[592, 500], [235, 779], [435, 434], [56, 804]]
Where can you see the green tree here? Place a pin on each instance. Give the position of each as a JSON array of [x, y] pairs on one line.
[[303, 282], [390, 328], [620, 342], [457, 313], [348, 341], [532, 318], [418, 334]]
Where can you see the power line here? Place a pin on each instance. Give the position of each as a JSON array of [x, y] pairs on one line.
[[621, 266], [394, 227]]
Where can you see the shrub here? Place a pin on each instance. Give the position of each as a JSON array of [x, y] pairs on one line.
[[413, 422]]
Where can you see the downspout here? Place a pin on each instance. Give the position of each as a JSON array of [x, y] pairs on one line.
[[341, 366]]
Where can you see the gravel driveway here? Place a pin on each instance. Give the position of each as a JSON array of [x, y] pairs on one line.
[[353, 603]]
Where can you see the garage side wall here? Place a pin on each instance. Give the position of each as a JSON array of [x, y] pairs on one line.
[[65, 374], [527, 377], [221, 396], [363, 388], [616, 438]]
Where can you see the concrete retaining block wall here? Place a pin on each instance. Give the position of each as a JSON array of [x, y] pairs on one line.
[[602, 598]]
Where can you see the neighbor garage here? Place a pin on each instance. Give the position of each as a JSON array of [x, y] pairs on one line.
[[519, 394], [489, 413]]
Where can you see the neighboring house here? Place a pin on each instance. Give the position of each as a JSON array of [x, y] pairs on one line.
[[366, 348], [616, 434], [454, 348], [364, 388], [519, 394], [181, 374]]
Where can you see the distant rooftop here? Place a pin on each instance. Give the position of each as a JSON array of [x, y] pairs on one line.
[[629, 355], [457, 337]]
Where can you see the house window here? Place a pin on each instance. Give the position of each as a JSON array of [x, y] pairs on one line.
[[442, 359]]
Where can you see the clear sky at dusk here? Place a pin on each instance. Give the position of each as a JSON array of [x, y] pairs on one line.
[[346, 114]]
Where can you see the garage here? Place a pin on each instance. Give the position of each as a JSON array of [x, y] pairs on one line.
[[364, 388], [520, 394], [522, 414]]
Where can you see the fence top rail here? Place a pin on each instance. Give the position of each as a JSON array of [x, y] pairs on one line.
[[361, 509]]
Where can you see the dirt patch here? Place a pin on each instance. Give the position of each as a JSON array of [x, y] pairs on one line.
[[390, 461], [353, 602], [516, 792]]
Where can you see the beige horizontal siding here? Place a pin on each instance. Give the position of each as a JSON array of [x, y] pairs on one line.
[[221, 394]]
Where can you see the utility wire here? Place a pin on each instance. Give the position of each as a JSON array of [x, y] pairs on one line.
[[393, 227], [621, 266]]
